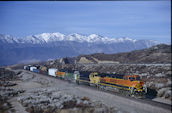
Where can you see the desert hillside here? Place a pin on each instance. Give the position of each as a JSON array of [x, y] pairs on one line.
[[156, 54]]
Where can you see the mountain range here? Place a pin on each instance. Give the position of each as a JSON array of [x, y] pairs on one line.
[[56, 45]]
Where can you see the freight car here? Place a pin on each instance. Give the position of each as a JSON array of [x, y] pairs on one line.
[[61, 73], [70, 75], [32, 68], [27, 67], [36, 70], [52, 72]]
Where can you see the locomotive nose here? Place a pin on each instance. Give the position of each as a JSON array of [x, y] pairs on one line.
[[139, 85]]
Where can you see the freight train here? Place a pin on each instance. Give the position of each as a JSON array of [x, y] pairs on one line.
[[131, 83]]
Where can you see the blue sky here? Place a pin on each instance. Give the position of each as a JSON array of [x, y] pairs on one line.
[[133, 19]]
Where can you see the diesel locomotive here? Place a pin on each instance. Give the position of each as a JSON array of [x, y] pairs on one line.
[[132, 83]]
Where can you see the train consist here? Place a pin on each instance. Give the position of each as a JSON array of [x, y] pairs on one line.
[[130, 83]]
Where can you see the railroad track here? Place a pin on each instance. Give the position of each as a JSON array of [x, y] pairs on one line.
[[145, 100]]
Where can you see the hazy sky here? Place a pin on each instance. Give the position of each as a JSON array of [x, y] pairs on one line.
[[133, 19]]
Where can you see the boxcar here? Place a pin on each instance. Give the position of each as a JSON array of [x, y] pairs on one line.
[[69, 75], [52, 71], [32, 68], [61, 73]]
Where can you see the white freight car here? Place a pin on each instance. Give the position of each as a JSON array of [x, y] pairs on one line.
[[52, 71], [32, 68], [25, 67]]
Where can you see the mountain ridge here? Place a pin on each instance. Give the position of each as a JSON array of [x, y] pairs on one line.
[[46, 46], [52, 37]]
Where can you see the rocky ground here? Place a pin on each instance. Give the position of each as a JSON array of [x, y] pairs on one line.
[[53, 100], [6, 91]]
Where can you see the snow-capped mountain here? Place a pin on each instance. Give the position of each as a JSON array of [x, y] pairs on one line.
[[53, 37], [54, 45]]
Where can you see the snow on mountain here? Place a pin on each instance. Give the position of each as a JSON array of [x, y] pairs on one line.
[[53, 37], [50, 37], [7, 39]]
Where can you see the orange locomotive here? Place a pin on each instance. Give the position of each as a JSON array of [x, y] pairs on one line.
[[127, 82]]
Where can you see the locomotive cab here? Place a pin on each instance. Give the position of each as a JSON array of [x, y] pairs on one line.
[[136, 84], [94, 78]]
